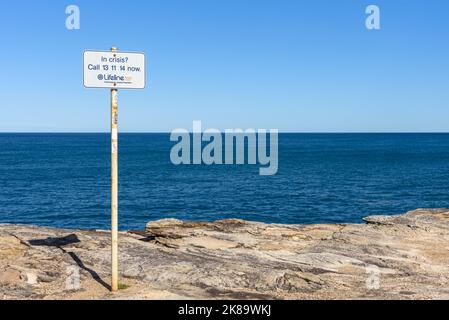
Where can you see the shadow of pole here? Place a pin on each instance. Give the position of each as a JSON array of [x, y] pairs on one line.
[[67, 240]]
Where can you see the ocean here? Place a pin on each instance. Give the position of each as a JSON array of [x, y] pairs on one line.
[[63, 180]]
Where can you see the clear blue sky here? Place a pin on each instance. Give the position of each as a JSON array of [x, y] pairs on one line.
[[292, 65]]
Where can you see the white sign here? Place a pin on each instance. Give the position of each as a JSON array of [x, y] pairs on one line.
[[119, 70]]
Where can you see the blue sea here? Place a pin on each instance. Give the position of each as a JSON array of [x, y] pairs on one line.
[[63, 180]]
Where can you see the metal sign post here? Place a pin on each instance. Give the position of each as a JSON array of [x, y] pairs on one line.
[[114, 187], [114, 70]]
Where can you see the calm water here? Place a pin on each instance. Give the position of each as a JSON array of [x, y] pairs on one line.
[[63, 180]]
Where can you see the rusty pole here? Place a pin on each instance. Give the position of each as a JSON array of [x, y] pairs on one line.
[[114, 187]]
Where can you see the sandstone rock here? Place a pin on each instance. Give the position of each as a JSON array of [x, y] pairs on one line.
[[9, 276], [389, 257]]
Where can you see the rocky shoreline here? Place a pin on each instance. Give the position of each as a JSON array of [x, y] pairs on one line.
[[388, 257]]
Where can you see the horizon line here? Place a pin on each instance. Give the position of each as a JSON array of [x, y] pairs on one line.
[[280, 132]]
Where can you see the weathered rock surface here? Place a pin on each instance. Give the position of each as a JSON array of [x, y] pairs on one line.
[[389, 257]]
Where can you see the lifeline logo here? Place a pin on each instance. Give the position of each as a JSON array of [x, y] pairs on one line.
[[111, 77]]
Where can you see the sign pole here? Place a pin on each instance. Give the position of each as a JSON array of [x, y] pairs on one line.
[[114, 70], [114, 187]]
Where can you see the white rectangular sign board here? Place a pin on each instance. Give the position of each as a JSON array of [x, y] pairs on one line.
[[117, 70]]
